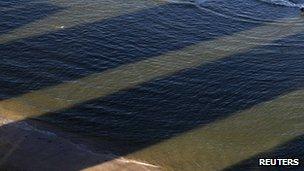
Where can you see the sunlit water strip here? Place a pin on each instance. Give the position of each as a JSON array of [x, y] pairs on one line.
[[128, 76], [229, 141], [77, 12]]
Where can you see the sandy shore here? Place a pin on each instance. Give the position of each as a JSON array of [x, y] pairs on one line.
[[30, 146]]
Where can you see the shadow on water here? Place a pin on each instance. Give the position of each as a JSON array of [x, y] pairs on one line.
[[162, 108], [24, 148], [292, 150], [25, 12], [73, 53]]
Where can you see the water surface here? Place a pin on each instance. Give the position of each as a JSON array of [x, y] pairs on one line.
[[149, 73]]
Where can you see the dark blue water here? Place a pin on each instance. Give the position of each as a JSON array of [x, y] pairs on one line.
[[162, 108]]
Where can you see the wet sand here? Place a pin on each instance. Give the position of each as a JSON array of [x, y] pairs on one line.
[[30, 145]]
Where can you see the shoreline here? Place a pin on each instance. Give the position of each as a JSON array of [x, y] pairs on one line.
[[33, 145]]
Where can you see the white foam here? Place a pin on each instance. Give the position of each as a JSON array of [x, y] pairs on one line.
[[137, 162], [286, 3], [193, 2], [283, 3], [181, 1]]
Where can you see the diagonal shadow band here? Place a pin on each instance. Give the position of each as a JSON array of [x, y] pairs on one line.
[[291, 150], [71, 14], [24, 13], [226, 142], [74, 53], [130, 75], [127, 76]]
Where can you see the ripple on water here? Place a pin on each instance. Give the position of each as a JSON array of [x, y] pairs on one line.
[[73, 53]]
